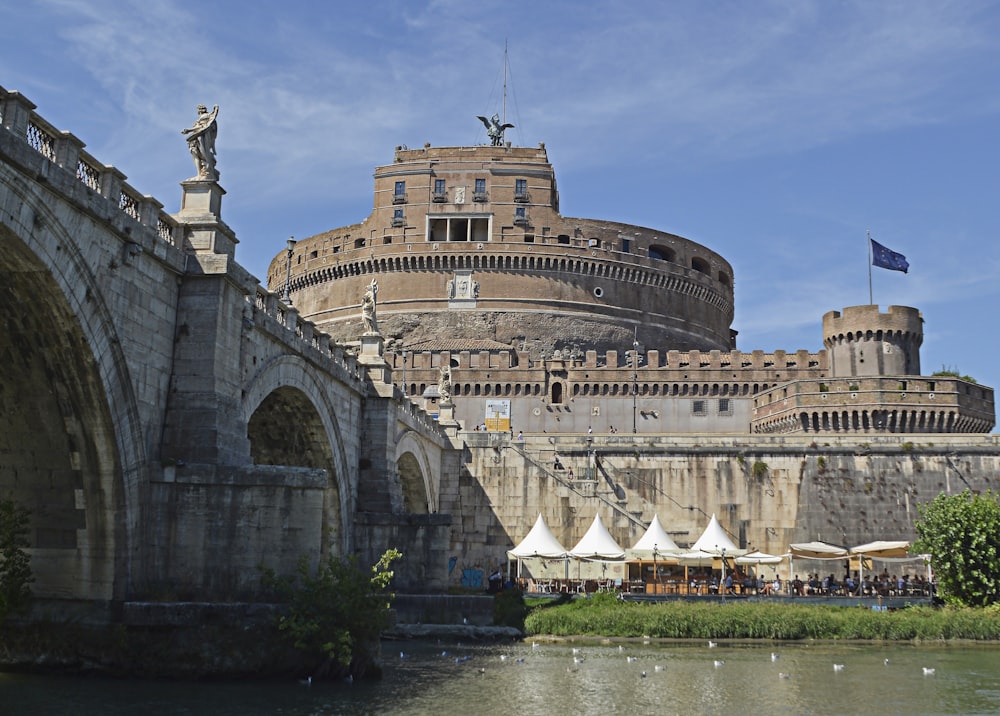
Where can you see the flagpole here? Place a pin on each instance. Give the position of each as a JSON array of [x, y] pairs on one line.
[[869, 242]]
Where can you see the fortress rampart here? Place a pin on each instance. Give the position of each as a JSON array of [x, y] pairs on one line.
[[767, 491]]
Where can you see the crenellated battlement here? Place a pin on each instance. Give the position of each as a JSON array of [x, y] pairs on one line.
[[856, 322]]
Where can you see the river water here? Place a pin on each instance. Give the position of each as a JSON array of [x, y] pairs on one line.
[[612, 678]]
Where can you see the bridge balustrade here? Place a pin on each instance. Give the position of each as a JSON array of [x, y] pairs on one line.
[[66, 151]]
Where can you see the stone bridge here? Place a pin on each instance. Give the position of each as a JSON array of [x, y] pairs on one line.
[[170, 423]]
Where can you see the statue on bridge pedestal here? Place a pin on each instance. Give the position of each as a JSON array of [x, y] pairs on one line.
[[444, 384], [368, 308], [201, 142]]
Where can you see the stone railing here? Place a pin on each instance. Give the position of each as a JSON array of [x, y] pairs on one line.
[[266, 303], [17, 115], [422, 418]]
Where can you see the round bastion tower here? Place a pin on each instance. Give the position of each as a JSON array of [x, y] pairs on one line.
[[470, 252], [863, 342]]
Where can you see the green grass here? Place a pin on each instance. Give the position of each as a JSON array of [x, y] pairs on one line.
[[686, 620]]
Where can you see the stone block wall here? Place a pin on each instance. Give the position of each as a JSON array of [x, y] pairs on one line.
[[766, 492]]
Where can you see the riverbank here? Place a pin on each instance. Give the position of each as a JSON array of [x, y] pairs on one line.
[[609, 617]]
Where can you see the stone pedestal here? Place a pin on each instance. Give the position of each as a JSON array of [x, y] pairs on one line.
[[371, 345], [446, 417], [201, 211], [374, 365]]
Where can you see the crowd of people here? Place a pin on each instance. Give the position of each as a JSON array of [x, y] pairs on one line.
[[871, 585]]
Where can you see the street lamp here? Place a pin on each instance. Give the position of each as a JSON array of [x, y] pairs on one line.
[[288, 271]]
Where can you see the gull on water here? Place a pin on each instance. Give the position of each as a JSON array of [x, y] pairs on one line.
[[927, 671], [838, 667], [774, 657], [712, 644], [719, 662]]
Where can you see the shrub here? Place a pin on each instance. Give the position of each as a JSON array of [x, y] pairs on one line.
[[336, 615], [962, 534], [15, 564]]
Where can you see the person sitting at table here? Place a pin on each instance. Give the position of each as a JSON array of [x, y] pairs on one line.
[[813, 584], [797, 587], [713, 586], [849, 586], [866, 586]]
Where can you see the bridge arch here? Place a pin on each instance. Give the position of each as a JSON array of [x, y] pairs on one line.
[[70, 412], [291, 421], [415, 475]]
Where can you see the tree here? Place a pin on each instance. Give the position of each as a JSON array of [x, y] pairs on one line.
[[962, 535], [335, 616], [15, 564]]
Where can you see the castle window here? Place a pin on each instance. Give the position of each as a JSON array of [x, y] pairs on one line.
[[698, 407], [520, 190], [520, 216], [725, 406], [399, 194], [440, 190], [563, 238], [397, 220], [359, 243], [557, 393], [700, 265], [480, 192], [626, 246]]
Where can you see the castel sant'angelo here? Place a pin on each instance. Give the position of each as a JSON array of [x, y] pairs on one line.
[[608, 348], [477, 270]]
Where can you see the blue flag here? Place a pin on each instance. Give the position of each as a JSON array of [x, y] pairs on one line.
[[887, 259]]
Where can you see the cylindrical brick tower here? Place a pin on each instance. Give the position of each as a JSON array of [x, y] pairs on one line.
[[863, 342], [468, 242]]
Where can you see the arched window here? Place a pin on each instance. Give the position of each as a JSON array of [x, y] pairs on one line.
[[662, 253], [557, 393]]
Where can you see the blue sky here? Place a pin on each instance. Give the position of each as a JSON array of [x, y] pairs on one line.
[[776, 133]]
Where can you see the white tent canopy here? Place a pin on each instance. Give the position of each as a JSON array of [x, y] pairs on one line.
[[597, 543], [697, 558], [816, 550], [760, 558], [654, 542], [882, 549], [714, 540], [539, 542]]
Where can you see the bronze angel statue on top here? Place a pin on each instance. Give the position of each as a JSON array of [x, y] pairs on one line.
[[494, 129]]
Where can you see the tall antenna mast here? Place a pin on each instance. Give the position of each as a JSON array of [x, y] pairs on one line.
[[505, 81]]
